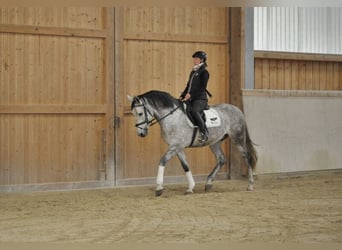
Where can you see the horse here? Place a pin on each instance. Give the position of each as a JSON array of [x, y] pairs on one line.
[[179, 133]]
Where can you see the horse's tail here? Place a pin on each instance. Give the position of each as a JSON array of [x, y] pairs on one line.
[[252, 154]]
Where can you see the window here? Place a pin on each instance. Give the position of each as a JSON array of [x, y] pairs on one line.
[[298, 29]]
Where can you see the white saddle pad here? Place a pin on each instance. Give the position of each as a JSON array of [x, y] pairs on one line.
[[212, 118]]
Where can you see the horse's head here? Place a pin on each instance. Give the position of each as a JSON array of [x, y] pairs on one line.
[[143, 116]]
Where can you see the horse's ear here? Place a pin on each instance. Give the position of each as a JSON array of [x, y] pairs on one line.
[[130, 98]]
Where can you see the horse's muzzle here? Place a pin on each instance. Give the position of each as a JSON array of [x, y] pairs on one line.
[[142, 132]]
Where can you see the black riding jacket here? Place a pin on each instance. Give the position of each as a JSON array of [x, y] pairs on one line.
[[197, 84]]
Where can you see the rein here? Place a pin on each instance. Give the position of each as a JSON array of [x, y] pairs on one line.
[[154, 120]]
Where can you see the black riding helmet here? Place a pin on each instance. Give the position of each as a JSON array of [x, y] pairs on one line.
[[201, 55]]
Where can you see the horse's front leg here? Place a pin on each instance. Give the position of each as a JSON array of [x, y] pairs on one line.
[[185, 165], [160, 176]]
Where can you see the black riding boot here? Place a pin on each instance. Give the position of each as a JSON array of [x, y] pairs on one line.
[[201, 125], [197, 107], [204, 133]]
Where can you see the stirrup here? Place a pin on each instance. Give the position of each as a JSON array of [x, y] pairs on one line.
[[203, 137]]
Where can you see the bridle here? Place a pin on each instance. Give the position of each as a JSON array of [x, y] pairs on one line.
[[148, 122], [153, 121]]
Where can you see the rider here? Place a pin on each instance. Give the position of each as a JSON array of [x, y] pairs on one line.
[[195, 91]]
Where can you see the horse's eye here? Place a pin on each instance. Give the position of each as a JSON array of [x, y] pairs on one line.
[[140, 114]]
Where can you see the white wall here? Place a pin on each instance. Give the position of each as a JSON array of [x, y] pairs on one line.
[[298, 29], [295, 130]]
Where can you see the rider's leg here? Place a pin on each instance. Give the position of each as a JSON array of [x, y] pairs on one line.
[[197, 107]]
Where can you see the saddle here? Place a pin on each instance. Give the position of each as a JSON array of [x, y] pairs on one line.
[[209, 116]]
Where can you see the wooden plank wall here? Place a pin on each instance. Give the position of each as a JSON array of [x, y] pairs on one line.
[[295, 71], [55, 95], [157, 44]]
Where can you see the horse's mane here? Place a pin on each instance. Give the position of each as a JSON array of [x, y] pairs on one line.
[[157, 99]]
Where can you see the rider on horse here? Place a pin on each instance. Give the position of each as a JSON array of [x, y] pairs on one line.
[[195, 92]]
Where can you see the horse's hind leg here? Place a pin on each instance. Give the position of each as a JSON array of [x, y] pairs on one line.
[[240, 137], [185, 165], [247, 158], [221, 160]]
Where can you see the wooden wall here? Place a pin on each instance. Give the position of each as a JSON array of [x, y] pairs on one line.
[[56, 95], [157, 45], [64, 77], [295, 71]]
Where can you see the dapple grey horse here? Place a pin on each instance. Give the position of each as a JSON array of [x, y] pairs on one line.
[[160, 107]]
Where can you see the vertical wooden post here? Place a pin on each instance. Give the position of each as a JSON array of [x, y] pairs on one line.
[[236, 78], [108, 15], [119, 95]]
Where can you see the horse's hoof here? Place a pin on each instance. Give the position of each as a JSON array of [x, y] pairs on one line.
[[208, 187], [188, 192], [159, 192], [250, 188]]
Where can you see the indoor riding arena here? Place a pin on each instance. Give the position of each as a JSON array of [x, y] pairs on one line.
[[73, 170]]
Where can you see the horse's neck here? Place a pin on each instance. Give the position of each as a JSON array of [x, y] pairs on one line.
[[159, 113], [171, 117], [153, 111]]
